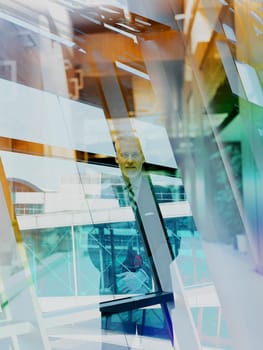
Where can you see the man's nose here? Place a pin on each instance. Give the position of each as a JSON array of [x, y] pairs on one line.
[[130, 158]]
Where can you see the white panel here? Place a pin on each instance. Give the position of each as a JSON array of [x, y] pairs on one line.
[[230, 34], [38, 116], [60, 220], [30, 114], [87, 127], [32, 198], [175, 209], [250, 83], [45, 173], [103, 215], [155, 144]]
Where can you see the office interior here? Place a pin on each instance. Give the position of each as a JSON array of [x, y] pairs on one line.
[[183, 79]]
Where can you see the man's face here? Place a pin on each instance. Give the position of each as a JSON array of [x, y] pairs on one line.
[[129, 159]]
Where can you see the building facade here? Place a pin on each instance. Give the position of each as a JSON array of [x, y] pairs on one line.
[[130, 197]]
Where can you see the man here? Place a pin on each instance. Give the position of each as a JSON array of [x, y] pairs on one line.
[[129, 157]]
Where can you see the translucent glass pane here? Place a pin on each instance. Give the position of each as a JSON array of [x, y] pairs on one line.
[[131, 265], [52, 120], [87, 127], [42, 116], [210, 318], [150, 135], [150, 322], [251, 83], [102, 252], [5, 344], [88, 265], [79, 232], [50, 257]]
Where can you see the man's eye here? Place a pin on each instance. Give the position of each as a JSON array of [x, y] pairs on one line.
[[135, 155], [125, 155]]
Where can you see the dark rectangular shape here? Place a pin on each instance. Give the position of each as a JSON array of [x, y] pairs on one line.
[[134, 302]]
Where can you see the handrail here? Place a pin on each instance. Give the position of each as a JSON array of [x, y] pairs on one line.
[[135, 302]]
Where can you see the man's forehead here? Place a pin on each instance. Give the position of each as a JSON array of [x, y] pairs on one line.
[[128, 145], [131, 147]]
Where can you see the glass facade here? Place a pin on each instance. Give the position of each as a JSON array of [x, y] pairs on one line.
[[130, 169]]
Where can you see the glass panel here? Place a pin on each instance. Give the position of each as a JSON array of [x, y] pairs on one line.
[[81, 239], [211, 327], [168, 191], [131, 265], [78, 229], [149, 321], [193, 95], [187, 247], [45, 113], [88, 267], [151, 135], [86, 133], [6, 344], [49, 253], [113, 254]]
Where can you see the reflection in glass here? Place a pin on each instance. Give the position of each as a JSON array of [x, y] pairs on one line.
[[148, 321], [117, 252], [49, 253], [72, 246]]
